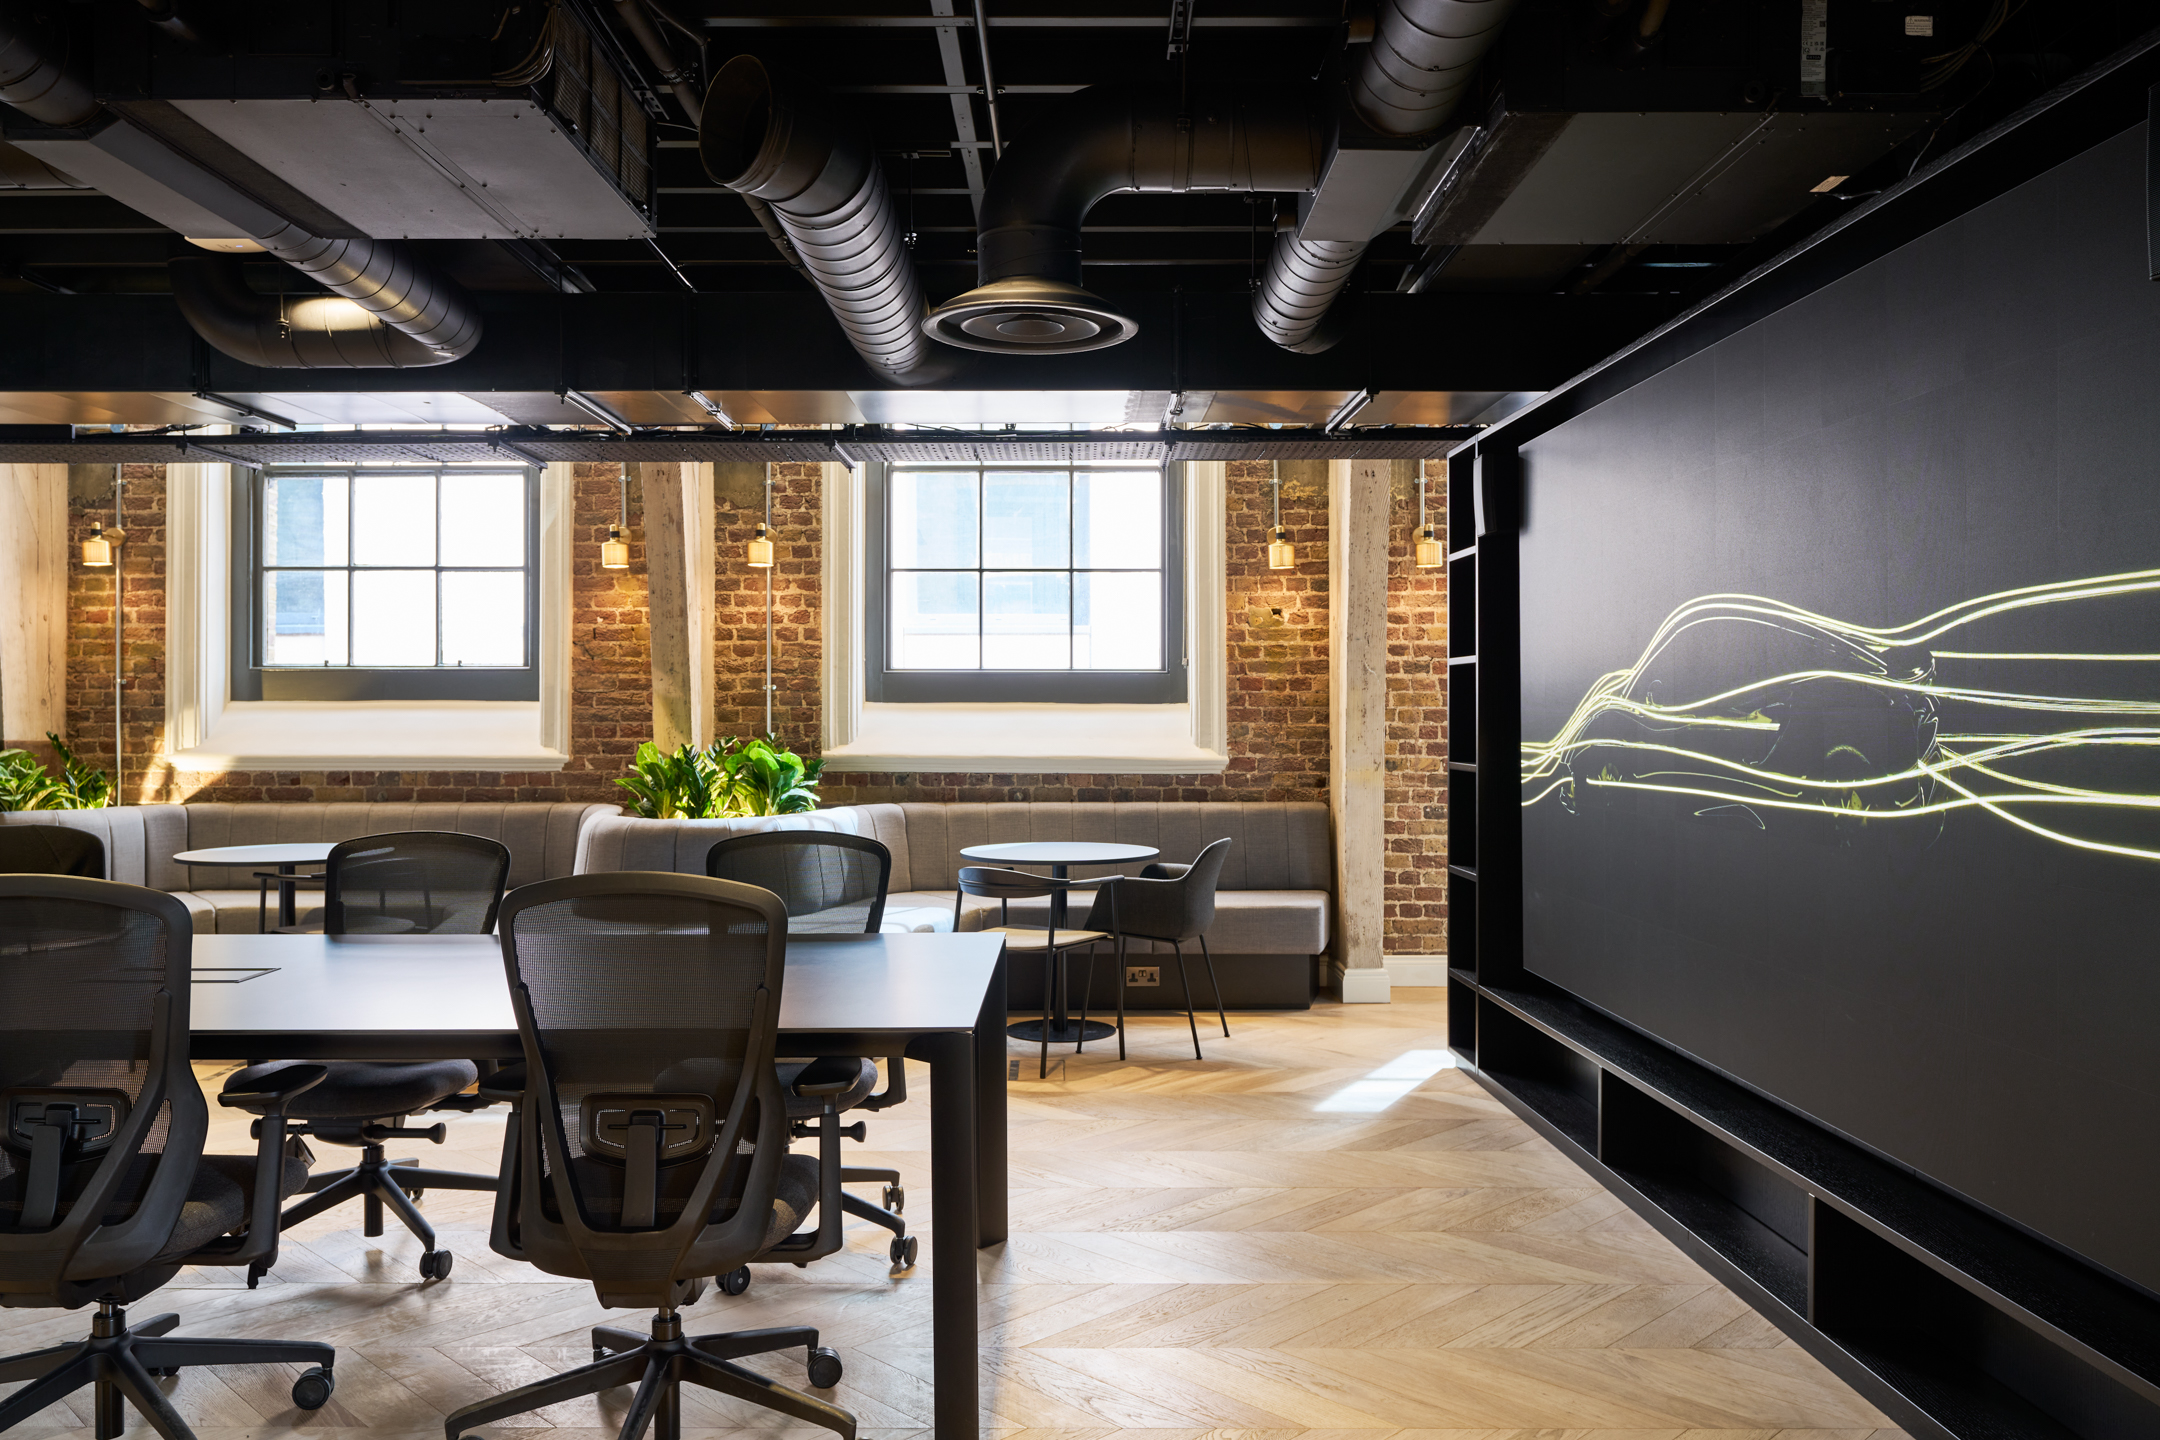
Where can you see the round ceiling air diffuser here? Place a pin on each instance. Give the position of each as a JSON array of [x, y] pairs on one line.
[[1029, 317]]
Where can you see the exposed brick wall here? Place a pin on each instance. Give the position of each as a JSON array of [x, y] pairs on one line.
[[1416, 793], [141, 570], [739, 605], [1276, 629]]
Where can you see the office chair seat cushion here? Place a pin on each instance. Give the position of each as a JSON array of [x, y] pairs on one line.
[[367, 1089], [804, 1107], [599, 1187], [217, 1198]]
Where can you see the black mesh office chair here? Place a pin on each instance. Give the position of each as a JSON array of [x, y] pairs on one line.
[[1006, 886], [419, 882], [1172, 904], [832, 884], [649, 1148], [51, 850], [104, 1188]]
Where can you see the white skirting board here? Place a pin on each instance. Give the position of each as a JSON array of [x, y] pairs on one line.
[[1417, 969], [1373, 986]]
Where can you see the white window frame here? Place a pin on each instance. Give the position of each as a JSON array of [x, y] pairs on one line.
[[207, 731], [1186, 738]]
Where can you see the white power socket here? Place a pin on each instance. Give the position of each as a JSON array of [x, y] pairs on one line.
[[1143, 975]]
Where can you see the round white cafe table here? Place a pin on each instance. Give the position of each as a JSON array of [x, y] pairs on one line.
[[1060, 856], [287, 858]]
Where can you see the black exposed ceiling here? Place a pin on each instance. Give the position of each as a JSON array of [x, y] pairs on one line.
[[912, 70], [914, 76]]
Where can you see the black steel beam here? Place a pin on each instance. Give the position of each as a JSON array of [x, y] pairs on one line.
[[51, 445], [769, 341]]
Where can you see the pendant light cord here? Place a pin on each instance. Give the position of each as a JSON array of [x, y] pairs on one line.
[[768, 605], [1275, 479], [119, 674]]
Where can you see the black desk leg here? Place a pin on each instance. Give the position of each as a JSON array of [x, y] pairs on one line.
[[288, 896], [956, 1408], [990, 1071]]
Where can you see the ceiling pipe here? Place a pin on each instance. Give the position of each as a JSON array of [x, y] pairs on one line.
[[1408, 82], [35, 74], [1102, 141], [286, 332], [638, 16], [383, 280], [778, 138]]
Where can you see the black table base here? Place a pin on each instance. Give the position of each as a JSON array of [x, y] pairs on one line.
[[1069, 1033]]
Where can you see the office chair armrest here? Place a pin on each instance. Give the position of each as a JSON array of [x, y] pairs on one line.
[[827, 1075], [505, 1086], [258, 1243], [279, 1089], [1164, 870]]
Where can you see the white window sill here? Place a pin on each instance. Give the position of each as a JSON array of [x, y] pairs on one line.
[[1060, 739], [373, 735]]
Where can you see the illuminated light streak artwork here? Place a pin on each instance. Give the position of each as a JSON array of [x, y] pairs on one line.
[[1860, 730]]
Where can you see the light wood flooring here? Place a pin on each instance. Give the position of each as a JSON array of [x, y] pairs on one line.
[[1266, 1244]]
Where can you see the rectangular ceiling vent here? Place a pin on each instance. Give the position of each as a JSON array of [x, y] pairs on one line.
[[516, 121]]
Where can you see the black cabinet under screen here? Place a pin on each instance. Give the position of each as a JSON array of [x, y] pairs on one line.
[[1839, 714]]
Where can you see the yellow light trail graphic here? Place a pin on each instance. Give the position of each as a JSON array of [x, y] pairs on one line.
[[1853, 734]]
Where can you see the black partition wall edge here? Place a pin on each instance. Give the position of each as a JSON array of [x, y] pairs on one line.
[[1804, 663]]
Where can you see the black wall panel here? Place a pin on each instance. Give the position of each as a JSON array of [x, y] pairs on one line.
[[1901, 874]]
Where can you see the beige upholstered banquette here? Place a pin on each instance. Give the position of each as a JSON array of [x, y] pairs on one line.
[[1274, 897], [140, 841]]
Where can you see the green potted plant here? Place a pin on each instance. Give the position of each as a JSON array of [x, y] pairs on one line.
[[727, 779], [25, 783]]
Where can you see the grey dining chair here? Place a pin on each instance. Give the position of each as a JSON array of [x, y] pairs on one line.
[[1172, 904]]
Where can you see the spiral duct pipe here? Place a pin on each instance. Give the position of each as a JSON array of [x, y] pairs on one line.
[[36, 76], [305, 332], [778, 138], [388, 282], [1408, 82], [1107, 139]]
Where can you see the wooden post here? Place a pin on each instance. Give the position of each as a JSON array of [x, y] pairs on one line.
[[1359, 505], [679, 579], [33, 603]]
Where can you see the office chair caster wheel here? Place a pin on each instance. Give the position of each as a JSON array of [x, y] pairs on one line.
[[825, 1368], [256, 1270], [735, 1282], [164, 1372], [312, 1390], [435, 1265], [902, 1251], [894, 1198]]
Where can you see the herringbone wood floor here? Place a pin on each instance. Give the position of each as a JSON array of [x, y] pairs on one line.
[[1198, 1250]]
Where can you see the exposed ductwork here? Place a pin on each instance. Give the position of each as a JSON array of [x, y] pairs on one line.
[[22, 171], [780, 139], [1422, 55], [389, 283], [1105, 140], [314, 332], [1408, 83], [35, 74], [382, 283]]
